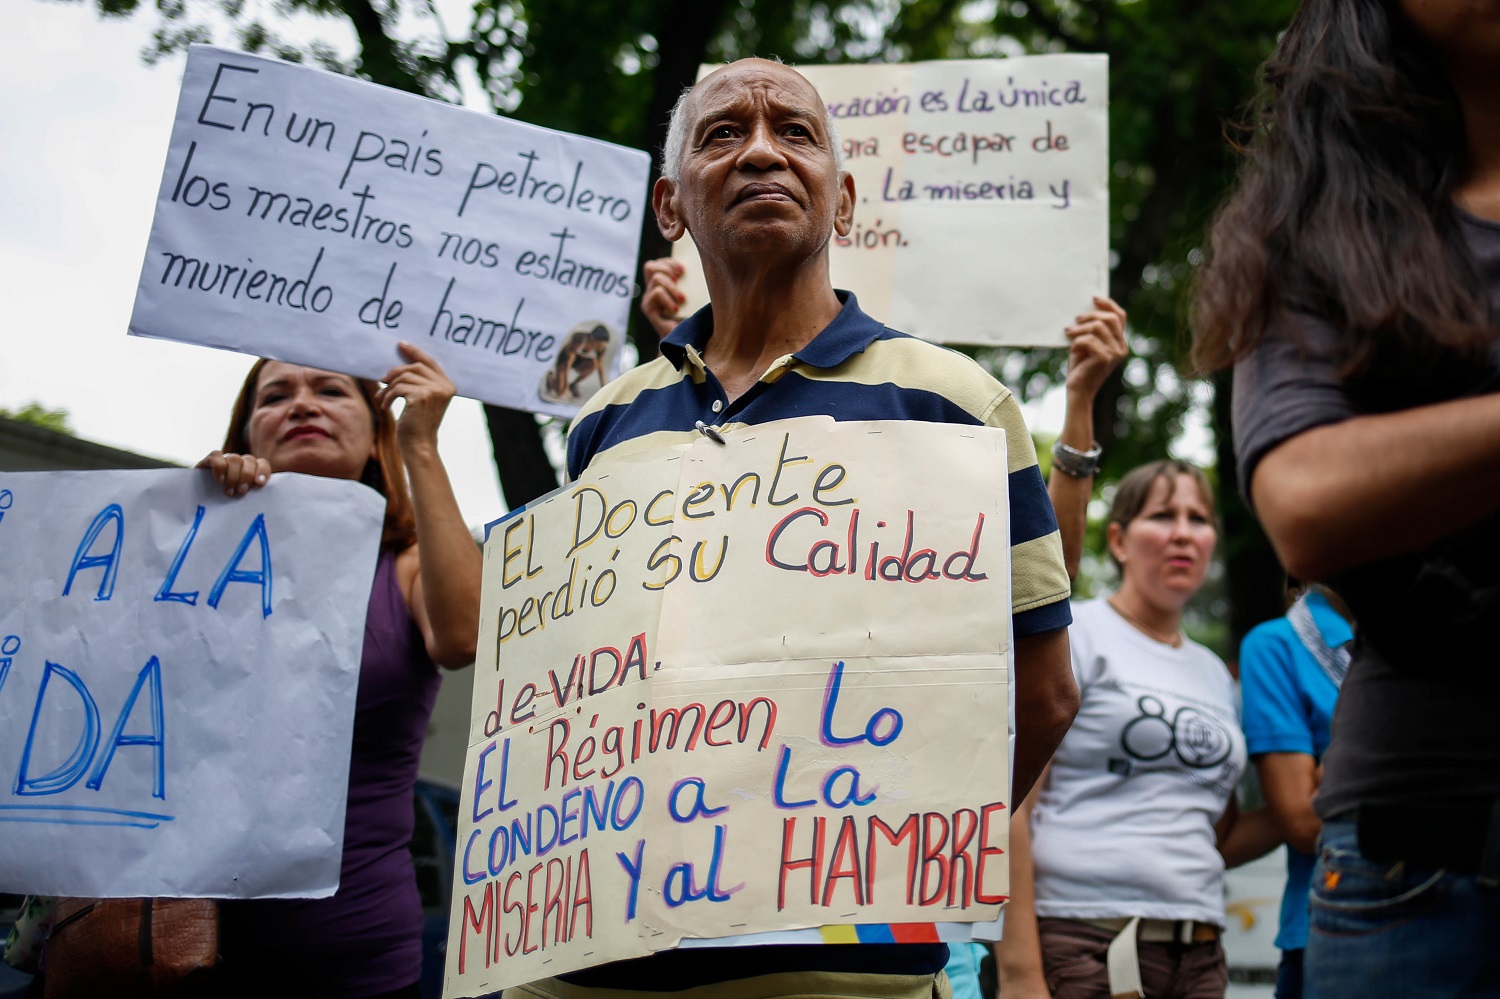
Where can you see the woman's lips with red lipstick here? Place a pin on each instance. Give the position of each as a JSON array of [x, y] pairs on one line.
[[300, 432]]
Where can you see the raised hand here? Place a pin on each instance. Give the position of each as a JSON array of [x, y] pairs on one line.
[[1096, 347], [663, 296], [427, 391]]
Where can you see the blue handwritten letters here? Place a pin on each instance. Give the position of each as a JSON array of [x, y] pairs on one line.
[[152, 743]]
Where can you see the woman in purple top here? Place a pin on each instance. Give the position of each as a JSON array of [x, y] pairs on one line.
[[365, 940]]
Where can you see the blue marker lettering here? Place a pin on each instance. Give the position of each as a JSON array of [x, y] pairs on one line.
[[853, 795], [166, 593], [633, 870], [699, 806], [594, 810], [501, 835], [505, 806], [778, 792], [544, 842], [234, 574], [157, 737], [480, 783], [687, 891], [628, 784], [564, 839], [871, 733], [82, 559], [8, 648], [67, 775], [470, 878]]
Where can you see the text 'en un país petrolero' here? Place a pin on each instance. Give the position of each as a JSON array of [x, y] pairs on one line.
[[230, 104]]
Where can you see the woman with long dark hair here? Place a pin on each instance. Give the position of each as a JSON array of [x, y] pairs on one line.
[[364, 941], [1353, 281]]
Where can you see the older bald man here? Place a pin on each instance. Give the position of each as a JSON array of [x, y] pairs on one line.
[[752, 172]]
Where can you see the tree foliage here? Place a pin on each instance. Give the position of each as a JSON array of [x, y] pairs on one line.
[[613, 68], [36, 415]]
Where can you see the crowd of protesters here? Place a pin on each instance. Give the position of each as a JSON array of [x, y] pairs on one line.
[[1352, 284]]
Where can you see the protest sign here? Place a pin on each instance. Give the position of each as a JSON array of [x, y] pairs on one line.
[[720, 692], [320, 219], [981, 195], [177, 681]]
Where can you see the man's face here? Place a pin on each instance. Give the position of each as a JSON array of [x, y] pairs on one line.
[[758, 171]]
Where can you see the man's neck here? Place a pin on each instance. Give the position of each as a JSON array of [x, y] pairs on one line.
[[762, 315]]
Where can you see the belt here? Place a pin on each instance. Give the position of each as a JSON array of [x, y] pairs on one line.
[[1122, 959], [1460, 836], [1184, 931]]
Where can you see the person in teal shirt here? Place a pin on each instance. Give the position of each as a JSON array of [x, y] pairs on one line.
[[1290, 671]]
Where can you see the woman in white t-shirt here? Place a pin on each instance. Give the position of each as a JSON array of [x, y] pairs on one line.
[[1135, 819]]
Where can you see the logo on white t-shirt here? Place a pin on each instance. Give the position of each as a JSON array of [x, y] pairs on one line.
[[1198, 740]]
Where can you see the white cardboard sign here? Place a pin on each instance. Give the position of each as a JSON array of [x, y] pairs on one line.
[[177, 681], [981, 195], [319, 219], [720, 694]]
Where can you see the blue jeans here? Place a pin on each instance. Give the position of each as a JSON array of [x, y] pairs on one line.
[[1397, 930]]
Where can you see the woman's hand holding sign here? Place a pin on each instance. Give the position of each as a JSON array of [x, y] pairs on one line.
[[427, 391]]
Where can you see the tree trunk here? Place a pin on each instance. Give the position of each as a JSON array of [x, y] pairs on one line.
[[682, 34], [516, 439]]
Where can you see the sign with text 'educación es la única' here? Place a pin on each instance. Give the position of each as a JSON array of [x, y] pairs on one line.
[[720, 693], [981, 209], [321, 219]]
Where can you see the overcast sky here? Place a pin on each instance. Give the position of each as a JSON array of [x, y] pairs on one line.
[[84, 127]]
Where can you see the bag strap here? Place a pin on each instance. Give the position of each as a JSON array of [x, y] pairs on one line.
[[147, 957], [1333, 661]]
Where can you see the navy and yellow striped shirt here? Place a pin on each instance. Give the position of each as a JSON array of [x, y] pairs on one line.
[[855, 369]]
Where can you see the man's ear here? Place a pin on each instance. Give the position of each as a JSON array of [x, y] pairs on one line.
[[668, 215], [843, 219]]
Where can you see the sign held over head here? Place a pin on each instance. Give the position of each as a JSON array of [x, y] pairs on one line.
[[719, 693], [981, 210], [177, 681], [319, 219]]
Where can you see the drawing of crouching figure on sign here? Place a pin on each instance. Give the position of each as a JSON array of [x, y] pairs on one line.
[[582, 366]]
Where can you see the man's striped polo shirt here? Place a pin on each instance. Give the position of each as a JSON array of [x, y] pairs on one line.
[[855, 369]]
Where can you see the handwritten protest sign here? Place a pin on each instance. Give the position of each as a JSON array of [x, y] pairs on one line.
[[319, 219], [177, 680], [981, 195], [721, 690]]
